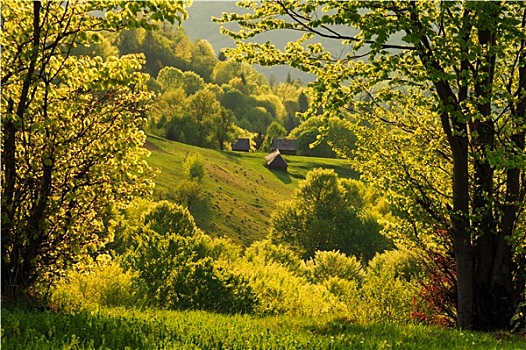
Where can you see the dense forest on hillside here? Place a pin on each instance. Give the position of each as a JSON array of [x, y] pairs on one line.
[[208, 100], [403, 202]]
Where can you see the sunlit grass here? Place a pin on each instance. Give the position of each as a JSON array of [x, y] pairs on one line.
[[239, 192], [120, 329]]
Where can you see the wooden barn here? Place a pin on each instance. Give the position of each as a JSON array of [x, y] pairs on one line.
[[275, 161], [241, 145], [285, 146]]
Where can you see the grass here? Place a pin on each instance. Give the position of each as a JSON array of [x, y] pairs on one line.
[[120, 329], [239, 191]]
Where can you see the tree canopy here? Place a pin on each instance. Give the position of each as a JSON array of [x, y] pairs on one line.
[[442, 89], [328, 213], [71, 138]]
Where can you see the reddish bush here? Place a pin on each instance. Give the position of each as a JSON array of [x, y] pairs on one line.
[[436, 302]]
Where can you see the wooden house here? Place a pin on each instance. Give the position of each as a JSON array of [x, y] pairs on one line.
[[285, 146], [241, 145], [275, 161]]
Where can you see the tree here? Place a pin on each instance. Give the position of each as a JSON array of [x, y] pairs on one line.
[[339, 139], [165, 108], [224, 71], [194, 167], [448, 77], [71, 138], [203, 59], [203, 108], [169, 47], [171, 78], [303, 102], [154, 46], [274, 131], [192, 82], [102, 46], [222, 128], [291, 120], [309, 222], [259, 119]]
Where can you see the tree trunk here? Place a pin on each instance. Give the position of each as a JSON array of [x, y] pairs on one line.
[[493, 278], [461, 231], [12, 278], [8, 192]]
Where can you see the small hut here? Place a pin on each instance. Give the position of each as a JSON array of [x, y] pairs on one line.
[[285, 146], [241, 145], [275, 161]]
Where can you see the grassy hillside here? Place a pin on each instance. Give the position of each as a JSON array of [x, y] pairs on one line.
[[118, 329], [239, 191]]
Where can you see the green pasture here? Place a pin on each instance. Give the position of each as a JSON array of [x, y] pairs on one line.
[[239, 192], [119, 329]]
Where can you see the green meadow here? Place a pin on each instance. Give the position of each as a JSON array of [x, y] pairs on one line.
[[132, 329], [239, 192]]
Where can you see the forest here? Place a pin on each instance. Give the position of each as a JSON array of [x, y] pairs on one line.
[[128, 220]]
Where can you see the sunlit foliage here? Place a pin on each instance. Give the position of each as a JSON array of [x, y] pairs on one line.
[[71, 138]]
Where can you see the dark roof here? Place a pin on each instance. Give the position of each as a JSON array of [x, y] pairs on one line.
[[275, 160], [286, 146], [241, 145]]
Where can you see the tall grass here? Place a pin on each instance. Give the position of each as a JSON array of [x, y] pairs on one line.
[[120, 329]]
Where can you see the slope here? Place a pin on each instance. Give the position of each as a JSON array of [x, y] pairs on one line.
[[239, 193]]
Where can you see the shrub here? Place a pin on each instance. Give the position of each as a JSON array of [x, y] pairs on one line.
[[160, 215], [327, 264], [266, 253], [436, 301], [389, 287], [194, 167], [179, 267], [349, 294], [165, 217], [279, 291], [399, 263], [104, 283]]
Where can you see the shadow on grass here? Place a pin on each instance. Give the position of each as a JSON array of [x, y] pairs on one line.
[[283, 176], [234, 156], [342, 171], [202, 212]]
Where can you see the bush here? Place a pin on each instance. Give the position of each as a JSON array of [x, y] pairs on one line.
[[194, 167], [398, 263], [279, 291], [266, 253], [161, 216], [103, 284], [179, 267], [349, 294], [178, 272], [329, 264], [165, 217], [389, 287]]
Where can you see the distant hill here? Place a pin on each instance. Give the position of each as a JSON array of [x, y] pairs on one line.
[[200, 26], [239, 191]]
